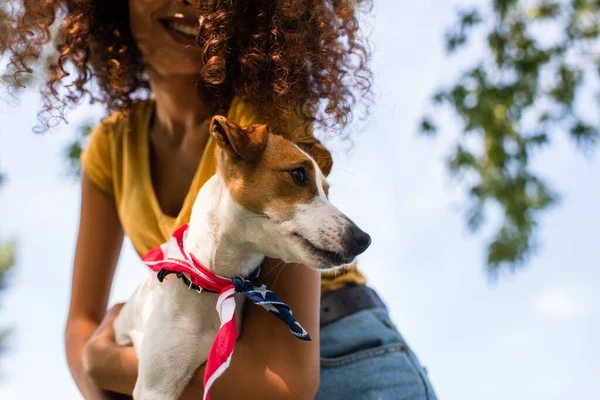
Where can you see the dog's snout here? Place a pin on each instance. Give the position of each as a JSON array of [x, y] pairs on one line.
[[357, 240]]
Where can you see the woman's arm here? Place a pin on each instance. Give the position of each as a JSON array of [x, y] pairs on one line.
[[98, 247], [268, 361]]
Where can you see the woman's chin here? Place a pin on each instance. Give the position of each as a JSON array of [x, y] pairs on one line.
[[173, 59]]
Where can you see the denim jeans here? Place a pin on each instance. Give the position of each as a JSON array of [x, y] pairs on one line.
[[364, 357]]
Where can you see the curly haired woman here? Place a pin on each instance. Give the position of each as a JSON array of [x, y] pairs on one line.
[[164, 68]]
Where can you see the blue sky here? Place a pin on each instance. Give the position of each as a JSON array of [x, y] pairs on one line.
[[532, 335]]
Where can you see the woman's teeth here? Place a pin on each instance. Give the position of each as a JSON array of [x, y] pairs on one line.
[[185, 29]]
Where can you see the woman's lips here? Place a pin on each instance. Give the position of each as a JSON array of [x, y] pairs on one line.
[[181, 30]]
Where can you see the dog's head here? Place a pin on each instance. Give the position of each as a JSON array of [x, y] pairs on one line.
[[285, 195]]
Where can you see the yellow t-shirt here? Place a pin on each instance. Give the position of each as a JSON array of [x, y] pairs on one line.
[[117, 161]]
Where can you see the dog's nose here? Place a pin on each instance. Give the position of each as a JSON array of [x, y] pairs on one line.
[[357, 240]]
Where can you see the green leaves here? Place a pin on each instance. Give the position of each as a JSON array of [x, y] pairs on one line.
[[544, 10], [523, 91], [585, 135], [7, 260], [567, 81], [427, 126], [457, 37], [72, 151], [502, 7], [7, 251]]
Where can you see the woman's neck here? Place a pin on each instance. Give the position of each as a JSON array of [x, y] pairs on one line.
[[179, 106]]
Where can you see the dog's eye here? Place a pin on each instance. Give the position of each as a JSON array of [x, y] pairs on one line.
[[299, 175]]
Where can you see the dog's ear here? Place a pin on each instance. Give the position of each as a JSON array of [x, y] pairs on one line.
[[246, 143]]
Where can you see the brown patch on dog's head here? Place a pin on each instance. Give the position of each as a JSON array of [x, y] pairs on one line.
[[265, 173]]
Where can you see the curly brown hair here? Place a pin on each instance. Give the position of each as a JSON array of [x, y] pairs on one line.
[[288, 57]]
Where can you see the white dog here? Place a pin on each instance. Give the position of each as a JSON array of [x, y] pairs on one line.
[[268, 198]]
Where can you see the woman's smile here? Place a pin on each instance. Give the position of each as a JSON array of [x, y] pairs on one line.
[[182, 30], [166, 32]]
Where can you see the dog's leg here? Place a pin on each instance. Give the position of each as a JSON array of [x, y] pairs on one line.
[[177, 339]]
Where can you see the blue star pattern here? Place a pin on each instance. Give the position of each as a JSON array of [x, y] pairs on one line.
[[261, 295]]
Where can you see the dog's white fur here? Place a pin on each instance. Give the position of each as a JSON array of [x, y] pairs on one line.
[[172, 328]]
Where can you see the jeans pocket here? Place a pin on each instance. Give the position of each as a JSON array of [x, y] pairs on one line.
[[383, 373]]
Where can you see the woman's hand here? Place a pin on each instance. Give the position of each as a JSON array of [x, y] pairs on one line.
[[110, 366], [99, 344]]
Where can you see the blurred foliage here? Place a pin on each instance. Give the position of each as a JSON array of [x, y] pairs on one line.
[[521, 91], [73, 150], [7, 260]]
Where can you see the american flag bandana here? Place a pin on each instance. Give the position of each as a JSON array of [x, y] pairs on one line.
[[172, 257]]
